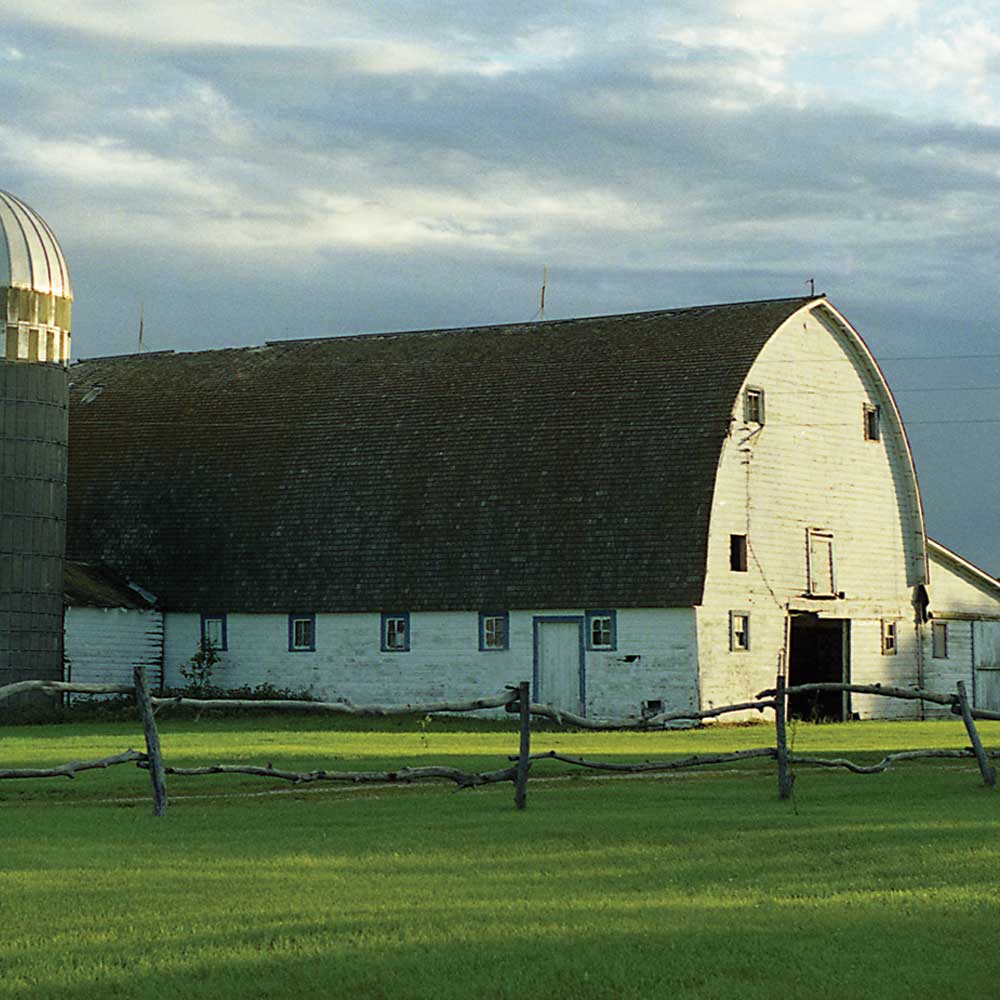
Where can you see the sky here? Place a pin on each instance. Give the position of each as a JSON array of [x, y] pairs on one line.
[[249, 171]]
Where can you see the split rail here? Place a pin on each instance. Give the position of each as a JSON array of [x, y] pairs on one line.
[[515, 699]]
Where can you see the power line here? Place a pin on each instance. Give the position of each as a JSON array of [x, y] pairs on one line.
[[935, 357], [948, 388]]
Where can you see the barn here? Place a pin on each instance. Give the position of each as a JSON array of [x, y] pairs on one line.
[[639, 512]]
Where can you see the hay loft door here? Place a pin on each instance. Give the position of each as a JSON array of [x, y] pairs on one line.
[[559, 676]]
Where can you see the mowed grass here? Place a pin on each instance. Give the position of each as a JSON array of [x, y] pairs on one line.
[[700, 884]]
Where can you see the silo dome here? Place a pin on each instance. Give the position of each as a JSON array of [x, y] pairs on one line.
[[34, 286]]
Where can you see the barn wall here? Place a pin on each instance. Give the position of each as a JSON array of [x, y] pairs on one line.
[[102, 645], [809, 466], [970, 608], [444, 661]]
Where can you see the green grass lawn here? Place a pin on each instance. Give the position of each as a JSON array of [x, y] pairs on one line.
[[699, 884]]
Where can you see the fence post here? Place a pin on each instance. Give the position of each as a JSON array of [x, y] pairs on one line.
[[780, 710], [986, 769], [524, 754], [156, 774]]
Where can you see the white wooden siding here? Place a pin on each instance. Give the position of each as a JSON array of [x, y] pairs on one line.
[[102, 645], [809, 468], [970, 608], [986, 642], [954, 590]]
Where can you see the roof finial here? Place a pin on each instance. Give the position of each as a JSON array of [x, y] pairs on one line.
[[545, 275], [811, 282]]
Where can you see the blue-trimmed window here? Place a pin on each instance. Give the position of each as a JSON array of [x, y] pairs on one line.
[[602, 630], [396, 632], [494, 630], [214, 631], [301, 633]]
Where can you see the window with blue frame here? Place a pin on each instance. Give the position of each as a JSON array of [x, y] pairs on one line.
[[214, 632], [494, 630], [602, 630], [396, 632], [301, 633]]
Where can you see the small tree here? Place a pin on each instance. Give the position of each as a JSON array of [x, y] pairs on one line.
[[198, 670]]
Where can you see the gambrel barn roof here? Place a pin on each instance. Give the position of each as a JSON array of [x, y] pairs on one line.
[[539, 465]]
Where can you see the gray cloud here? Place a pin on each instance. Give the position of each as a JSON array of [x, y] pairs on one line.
[[418, 171]]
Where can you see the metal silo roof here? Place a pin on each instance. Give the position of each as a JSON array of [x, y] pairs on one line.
[[30, 256]]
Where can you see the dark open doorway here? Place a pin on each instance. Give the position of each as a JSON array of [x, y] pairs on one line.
[[816, 655]]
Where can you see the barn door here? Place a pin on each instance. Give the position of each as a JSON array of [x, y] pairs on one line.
[[986, 642], [559, 663]]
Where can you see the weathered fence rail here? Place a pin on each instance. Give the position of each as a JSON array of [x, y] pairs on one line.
[[514, 699]]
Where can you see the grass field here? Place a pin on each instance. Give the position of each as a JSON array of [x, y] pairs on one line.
[[700, 884]]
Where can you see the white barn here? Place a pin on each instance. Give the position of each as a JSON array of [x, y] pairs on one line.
[[637, 512]]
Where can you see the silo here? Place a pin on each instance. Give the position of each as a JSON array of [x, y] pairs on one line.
[[35, 303]]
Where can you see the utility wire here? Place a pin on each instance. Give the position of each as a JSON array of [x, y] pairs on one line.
[[935, 357]]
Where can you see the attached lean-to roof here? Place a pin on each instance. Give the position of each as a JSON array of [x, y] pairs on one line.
[[86, 586], [542, 465]]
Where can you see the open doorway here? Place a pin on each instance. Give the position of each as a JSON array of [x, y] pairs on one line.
[[818, 654]]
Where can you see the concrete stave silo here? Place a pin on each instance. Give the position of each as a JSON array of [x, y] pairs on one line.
[[35, 302]]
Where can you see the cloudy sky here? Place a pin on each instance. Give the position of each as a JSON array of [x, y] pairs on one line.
[[257, 170]]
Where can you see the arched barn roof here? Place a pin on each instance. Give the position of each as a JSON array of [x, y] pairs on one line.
[[539, 465]]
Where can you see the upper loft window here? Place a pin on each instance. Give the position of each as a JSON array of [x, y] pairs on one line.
[[396, 632], [602, 630], [302, 633], [738, 553], [214, 632], [753, 406], [819, 552], [494, 630], [870, 415]]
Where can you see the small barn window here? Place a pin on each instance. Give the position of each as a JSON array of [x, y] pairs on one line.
[[301, 633], [889, 638], [739, 631], [870, 416], [396, 633], [214, 632], [602, 630], [939, 640], [753, 406], [494, 632], [738, 553]]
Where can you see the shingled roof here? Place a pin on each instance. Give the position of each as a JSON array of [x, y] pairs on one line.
[[552, 465]]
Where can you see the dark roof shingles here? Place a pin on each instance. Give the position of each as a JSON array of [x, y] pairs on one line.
[[546, 465]]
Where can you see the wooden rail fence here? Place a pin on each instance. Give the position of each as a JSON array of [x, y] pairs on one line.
[[515, 698]]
